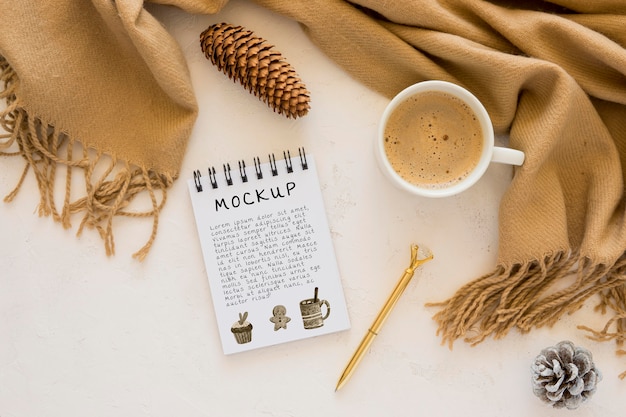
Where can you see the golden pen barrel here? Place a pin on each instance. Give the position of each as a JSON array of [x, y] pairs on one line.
[[382, 315], [392, 301], [356, 358]]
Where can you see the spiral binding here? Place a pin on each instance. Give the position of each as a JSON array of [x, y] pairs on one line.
[[227, 172]]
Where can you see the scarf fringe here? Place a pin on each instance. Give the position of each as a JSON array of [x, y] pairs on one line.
[[110, 185], [533, 295]]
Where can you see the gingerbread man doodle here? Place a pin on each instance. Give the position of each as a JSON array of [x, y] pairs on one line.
[[280, 318]]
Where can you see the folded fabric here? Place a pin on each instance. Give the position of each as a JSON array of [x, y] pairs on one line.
[[99, 103], [85, 81], [553, 76]]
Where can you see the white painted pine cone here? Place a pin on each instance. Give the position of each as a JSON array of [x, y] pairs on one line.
[[564, 375]]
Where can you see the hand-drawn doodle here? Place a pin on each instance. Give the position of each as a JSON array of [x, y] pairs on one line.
[[311, 310], [242, 329], [279, 317]]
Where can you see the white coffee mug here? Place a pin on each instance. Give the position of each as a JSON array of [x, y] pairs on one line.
[[490, 152]]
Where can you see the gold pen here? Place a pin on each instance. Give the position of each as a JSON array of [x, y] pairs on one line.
[[382, 316]]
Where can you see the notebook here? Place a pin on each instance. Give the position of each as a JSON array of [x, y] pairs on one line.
[[268, 252]]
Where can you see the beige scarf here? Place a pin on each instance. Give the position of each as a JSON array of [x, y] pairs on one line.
[[99, 104], [105, 75], [554, 77]]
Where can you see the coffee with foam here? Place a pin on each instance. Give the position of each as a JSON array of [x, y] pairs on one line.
[[433, 139]]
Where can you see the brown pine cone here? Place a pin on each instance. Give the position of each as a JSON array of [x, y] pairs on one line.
[[253, 62]]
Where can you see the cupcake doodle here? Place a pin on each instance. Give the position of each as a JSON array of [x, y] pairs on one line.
[[242, 329]]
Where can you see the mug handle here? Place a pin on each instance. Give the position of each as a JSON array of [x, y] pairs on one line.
[[507, 156], [327, 309]]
